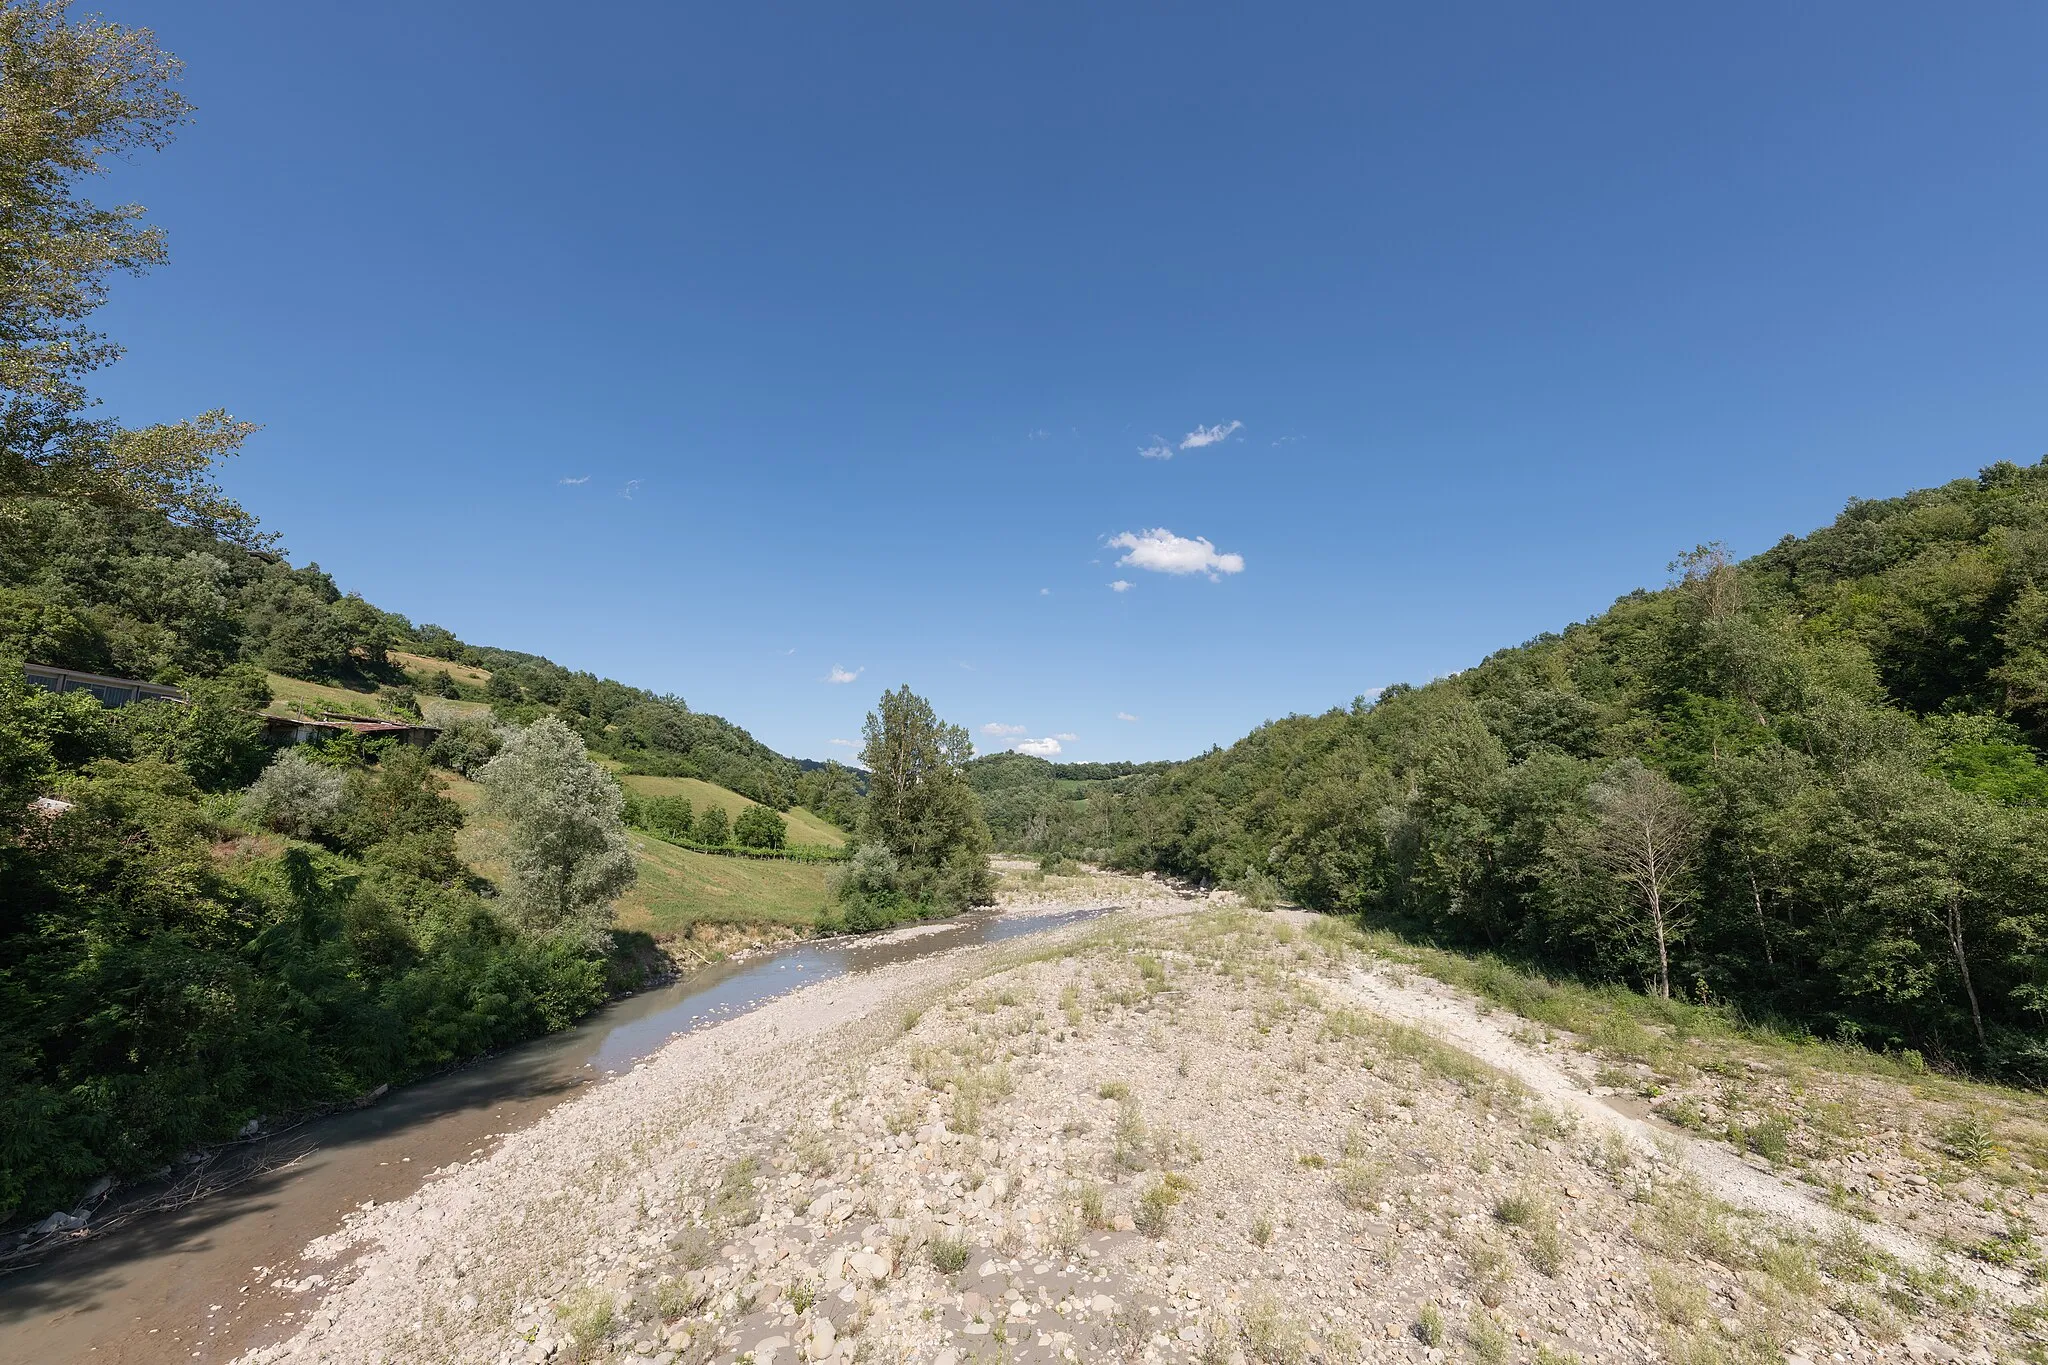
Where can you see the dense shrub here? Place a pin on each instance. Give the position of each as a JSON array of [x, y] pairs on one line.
[[295, 796], [759, 827]]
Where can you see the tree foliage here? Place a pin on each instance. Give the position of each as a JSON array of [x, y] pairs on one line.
[[567, 844], [920, 806]]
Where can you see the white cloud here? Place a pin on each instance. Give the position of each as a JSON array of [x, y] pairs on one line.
[[996, 727], [1158, 450], [1209, 436], [1039, 434], [1045, 592], [566, 479], [1125, 715], [843, 743], [1037, 748], [1122, 585], [840, 675], [1161, 551], [632, 487], [1069, 739]]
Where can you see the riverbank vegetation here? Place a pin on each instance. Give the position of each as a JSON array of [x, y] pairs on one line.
[[923, 842]]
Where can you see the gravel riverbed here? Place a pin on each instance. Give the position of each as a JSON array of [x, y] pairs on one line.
[[1184, 1132]]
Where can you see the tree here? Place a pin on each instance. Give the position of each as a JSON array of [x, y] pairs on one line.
[[711, 827], [567, 845], [760, 827], [74, 96], [920, 806], [1645, 836], [669, 815]]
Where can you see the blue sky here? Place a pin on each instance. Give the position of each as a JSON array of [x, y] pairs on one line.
[[729, 349]]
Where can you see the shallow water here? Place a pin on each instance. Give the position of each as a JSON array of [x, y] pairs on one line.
[[188, 1284]]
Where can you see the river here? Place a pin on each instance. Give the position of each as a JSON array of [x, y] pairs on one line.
[[188, 1283]]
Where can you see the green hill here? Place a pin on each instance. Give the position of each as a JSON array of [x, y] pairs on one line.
[[804, 827]]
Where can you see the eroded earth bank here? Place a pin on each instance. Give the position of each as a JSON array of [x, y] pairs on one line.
[[1186, 1131]]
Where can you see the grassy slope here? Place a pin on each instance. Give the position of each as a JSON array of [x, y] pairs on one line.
[[804, 827], [420, 668], [678, 889], [295, 696]]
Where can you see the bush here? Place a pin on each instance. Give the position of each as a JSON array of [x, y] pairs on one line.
[[467, 745], [711, 827], [760, 827], [295, 796], [669, 816]]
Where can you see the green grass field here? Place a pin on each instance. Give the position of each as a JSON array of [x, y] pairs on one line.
[[804, 827], [678, 888]]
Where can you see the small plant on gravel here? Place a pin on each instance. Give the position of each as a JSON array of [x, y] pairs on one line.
[[812, 1153], [586, 1315], [1429, 1325], [1770, 1138], [1355, 1143], [1155, 1206], [1313, 1160], [1487, 1338], [1130, 1136], [1064, 1236], [1262, 1230], [1517, 1210], [1546, 1247], [1678, 1298], [675, 1299], [1113, 1090], [1271, 1335], [801, 1296], [1550, 1355], [1491, 1272], [1360, 1184], [1093, 1212], [692, 1248], [1552, 1123], [1969, 1140], [949, 1255]]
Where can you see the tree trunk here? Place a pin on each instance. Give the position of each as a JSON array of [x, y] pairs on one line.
[[1955, 939], [1756, 898]]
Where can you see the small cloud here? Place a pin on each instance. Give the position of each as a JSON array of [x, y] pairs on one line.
[[1040, 434], [1157, 450], [632, 487], [566, 479], [1286, 440], [1068, 739], [1122, 585], [996, 727], [1161, 551], [840, 675], [1209, 436], [1037, 748], [1045, 592], [964, 664], [843, 743], [1125, 715]]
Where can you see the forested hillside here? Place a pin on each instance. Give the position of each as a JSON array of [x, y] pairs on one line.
[[1037, 806], [1810, 784]]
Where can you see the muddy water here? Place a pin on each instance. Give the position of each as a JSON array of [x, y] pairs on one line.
[[189, 1284]]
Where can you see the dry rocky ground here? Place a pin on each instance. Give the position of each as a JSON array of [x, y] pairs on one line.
[[1192, 1133]]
